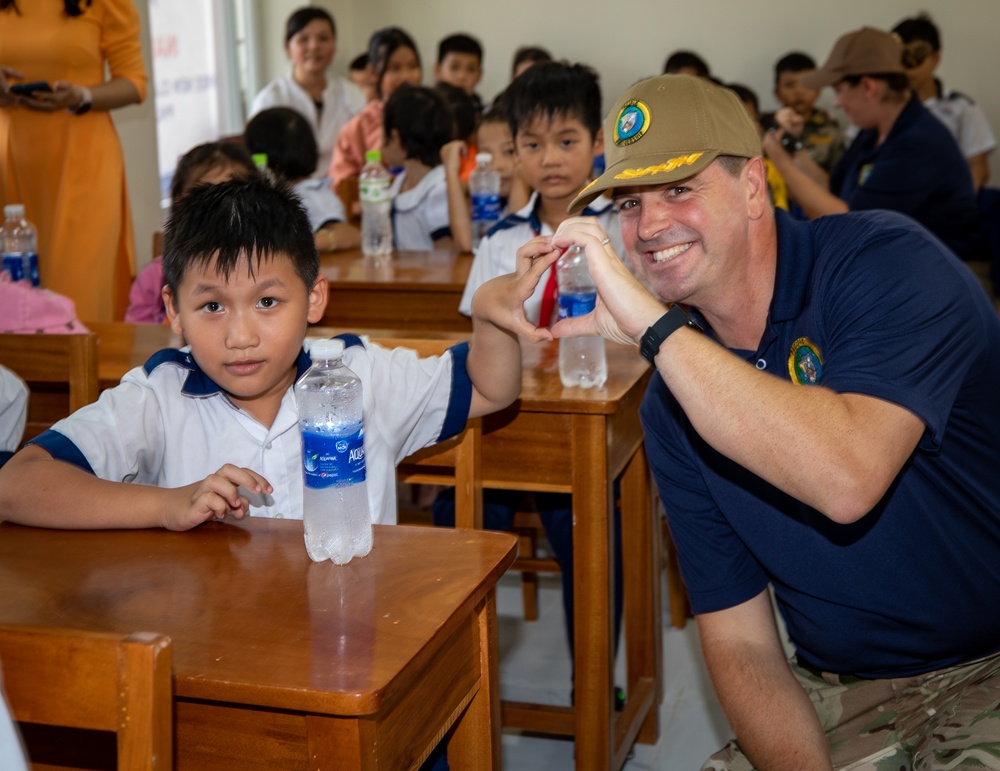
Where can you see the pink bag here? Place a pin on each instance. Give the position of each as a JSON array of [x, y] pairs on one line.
[[25, 309]]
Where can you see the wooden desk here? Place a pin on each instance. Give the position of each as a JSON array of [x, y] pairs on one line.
[[284, 663], [410, 290], [564, 440]]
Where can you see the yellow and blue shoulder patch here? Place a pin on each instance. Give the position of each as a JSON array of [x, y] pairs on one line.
[[805, 363]]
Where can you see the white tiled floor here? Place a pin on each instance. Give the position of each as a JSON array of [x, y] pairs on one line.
[[534, 666]]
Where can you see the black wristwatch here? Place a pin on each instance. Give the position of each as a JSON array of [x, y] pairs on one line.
[[665, 326]]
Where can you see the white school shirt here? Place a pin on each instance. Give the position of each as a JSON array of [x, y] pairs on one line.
[[420, 215], [497, 253], [168, 424], [342, 100], [13, 409], [323, 206], [965, 120]]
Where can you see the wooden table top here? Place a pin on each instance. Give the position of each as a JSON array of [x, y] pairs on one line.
[[251, 618], [429, 271]]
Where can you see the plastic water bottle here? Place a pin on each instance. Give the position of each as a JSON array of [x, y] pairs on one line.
[[20, 245], [582, 361], [376, 206], [484, 188], [338, 525]]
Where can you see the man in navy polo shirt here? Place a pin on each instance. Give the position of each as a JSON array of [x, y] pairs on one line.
[[904, 159], [829, 427]]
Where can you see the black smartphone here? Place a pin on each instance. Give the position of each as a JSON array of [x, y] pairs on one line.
[[27, 89]]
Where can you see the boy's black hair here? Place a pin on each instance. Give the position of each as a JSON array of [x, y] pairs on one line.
[[533, 54], [287, 139], [255, 219], [359, 62], [680, 60], [382, 45], [301, 17], [795, 61], [423, 120], [919, 28], [460, 44], [551, 89], [205, 157], [497, 112], [463, 109], [745, 94]]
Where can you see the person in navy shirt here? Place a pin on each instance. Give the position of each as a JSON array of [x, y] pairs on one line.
[[823, 421], [903, 159]]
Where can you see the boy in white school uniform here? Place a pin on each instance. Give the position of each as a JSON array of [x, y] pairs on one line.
[[211, 430]]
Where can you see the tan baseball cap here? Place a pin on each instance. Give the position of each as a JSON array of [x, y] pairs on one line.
[[867, 51], [669, 128]]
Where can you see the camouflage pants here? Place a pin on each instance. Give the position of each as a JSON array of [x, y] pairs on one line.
[[947, 719]]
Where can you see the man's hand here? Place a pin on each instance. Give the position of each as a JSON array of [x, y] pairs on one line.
[[213, 498], [625, 308]]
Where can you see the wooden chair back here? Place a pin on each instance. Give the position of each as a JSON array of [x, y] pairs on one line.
[[101, 682], [347, 189], [60, 370]]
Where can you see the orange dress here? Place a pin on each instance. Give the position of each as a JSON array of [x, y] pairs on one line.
[[68, 170]]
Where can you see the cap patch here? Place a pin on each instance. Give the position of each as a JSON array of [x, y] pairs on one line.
[[632, 122], [661, 168]]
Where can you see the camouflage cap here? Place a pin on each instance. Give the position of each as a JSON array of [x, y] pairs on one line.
[[669, 128], [867, 51]]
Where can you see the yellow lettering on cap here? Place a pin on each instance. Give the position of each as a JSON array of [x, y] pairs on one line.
[[663, 168]]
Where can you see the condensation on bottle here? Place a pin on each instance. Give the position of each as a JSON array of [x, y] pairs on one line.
[[582, 360], [374, 191], [484, 190], [19, 245], [336, 514]]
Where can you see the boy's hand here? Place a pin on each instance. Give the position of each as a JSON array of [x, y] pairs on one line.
[[790, 121], [213, 498], [625, 308], [500, 301]]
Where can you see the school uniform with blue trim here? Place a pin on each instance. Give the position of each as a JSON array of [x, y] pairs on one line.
[[918, 170], [863, 303], [420, 214], [168, 424], [497, 253]]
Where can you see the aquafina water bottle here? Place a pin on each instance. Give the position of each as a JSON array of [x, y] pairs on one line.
[[484, 189], [338, 525], [19, 243], [582, 361]]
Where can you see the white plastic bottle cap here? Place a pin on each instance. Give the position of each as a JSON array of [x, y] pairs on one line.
[[324, 350], [484, 158], [14, 210]]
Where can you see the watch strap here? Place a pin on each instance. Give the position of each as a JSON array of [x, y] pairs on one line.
[[662, 328]]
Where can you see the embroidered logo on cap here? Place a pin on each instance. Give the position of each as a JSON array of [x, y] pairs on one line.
[[632, 122], [805, 364]]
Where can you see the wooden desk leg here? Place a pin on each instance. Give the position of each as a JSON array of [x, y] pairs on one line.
[[475, 743], [643, 621], [592, 576], [469, 477]]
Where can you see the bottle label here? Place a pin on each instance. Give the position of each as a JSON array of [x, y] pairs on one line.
[[576, 304], [331, 461], [485, 207], [14, 265], [374, 190]]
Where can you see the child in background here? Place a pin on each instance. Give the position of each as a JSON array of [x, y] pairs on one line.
[[211, 430], [686, 63], [362, 76], [460, 63], [205, 164], [417, 124], [284, 136], [494, 137], [776, 187], [818, 133], [458, 157], [527, 56], [392, 60]]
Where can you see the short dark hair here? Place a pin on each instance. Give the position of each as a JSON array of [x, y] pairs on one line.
[[255, 218], [498, 110], [795, 61], [359, 62], [680, 60], [919, 28], [745, 94], [550, 89], [206, 157], [460, 44], [423, 120], [287, 139], [302, 17], [533, 54], [463, 109], [382, 45]]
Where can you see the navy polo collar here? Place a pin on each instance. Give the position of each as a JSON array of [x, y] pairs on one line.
[[198, 383]]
